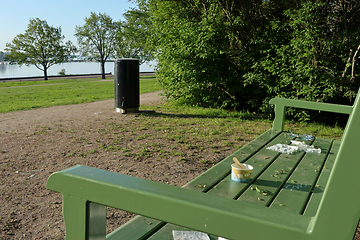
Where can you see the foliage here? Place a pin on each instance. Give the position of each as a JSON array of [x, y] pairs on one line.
[[96, 38], [199, 50], [310, 61], [41, 45], [62, 72], [133, 41], [239, 54]]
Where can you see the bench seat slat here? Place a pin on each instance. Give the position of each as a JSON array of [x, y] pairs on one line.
[[215, 174], [230, 189], [270, 181], [318, 191], [295, 193], [138, 228]]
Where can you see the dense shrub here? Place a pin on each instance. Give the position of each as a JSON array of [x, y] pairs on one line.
[[239, 54]]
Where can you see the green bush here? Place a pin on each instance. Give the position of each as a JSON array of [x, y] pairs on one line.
[[62, 72], [239, 54]]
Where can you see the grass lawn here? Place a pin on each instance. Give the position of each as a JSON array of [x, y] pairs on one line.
[[18, 96], [219, 123]]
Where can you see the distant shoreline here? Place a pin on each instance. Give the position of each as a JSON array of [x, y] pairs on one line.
[[39, 78]]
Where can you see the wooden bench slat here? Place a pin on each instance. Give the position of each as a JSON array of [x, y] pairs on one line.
[[295, 193], [281, 104], [318, 191], [215, 174], [270, 180], [230, 189], [138, 228]]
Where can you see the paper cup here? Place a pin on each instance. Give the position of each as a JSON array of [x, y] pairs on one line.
[[240, 175]]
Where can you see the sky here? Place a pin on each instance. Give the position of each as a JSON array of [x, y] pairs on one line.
[[15, 15]]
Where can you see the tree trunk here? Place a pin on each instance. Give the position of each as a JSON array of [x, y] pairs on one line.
[[103, 69], [45, 73]]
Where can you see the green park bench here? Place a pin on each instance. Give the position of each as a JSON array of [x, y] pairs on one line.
[[289, 196]]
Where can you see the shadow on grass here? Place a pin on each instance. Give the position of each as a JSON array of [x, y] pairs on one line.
[[243, 116]]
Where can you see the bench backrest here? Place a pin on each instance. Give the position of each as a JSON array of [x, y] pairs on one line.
[[282, 103], [338, 208], [340, 201]]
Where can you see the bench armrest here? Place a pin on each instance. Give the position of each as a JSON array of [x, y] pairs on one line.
[[196, 210], [282, 103]]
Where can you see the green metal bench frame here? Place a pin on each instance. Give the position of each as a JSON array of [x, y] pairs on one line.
[[87, 191]]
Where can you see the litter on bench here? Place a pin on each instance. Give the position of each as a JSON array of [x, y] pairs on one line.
[[295, 147], [304, 136], [192, 235]]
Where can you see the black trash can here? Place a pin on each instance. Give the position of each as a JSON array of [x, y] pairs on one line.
[[127, 89]]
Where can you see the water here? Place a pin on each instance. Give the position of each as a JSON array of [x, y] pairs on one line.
[[8, 71]]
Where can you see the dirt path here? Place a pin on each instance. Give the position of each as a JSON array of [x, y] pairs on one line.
[[36, 143], [20, 121]]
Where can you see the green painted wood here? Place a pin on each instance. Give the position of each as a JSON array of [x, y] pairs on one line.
[[96, 221], [267, 185], [295, 193], [260, 161], [211, 177], [279, 109], [322, 182], [337, 209], [138, 228], [281, 104], [328, 107], [75, 217], [175, 205]]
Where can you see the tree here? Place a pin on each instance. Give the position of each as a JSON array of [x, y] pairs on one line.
[[97, 38], [41, 45], [204, 49], [135, 38], [317, 57], [239, 54]]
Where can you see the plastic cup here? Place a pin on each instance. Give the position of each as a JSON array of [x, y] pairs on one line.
[[241, 175]]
